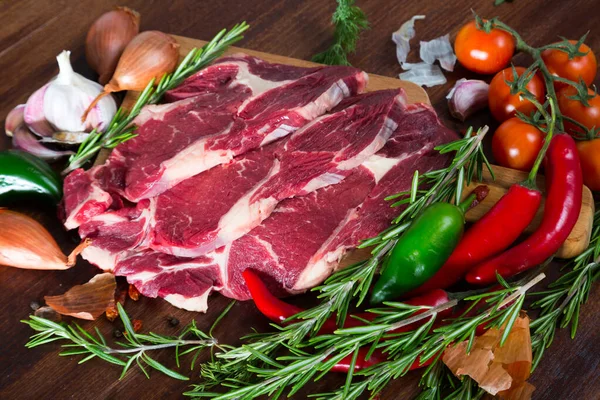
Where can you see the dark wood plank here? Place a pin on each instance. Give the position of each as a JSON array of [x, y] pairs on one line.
[[34, 32]]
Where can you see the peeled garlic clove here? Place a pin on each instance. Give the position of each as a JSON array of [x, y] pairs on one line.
[[34, 113], [107, 38], [69, 95], [14, 119], [466, 97], [26, 141]]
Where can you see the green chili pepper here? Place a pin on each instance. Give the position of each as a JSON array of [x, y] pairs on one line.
[[421, 250], [23, 175]]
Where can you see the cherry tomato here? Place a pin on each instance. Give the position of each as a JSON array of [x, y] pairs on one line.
[[583, 67], [504, 105], [516, 144], [587, 116], [481, 52], [589, 155]]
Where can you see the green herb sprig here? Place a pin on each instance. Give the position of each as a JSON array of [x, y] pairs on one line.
[[120, 128], [274, 376], [561, 304], [349, 21], [135, 349]]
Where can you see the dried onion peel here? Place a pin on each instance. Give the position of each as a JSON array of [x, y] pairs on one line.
[[25, 243], [87, 301]]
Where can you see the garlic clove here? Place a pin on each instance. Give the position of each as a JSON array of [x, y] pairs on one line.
[[69, 95], [466, 97], [66, 137], [14, 119], [34, 113], [24, 140]]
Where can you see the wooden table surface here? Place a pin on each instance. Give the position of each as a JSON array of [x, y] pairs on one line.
[[34, 31]]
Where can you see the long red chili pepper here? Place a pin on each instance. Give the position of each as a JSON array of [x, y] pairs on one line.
[[488, 236], [278, 310], [563, 204]]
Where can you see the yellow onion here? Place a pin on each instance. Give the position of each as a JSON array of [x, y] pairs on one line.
[[148, 56], [107, 38], [25, 243]]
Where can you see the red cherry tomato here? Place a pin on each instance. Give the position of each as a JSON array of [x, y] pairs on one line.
[[575, 69], [482, 52], [589, 155], [516, 144], [587, 116], [504, 105]]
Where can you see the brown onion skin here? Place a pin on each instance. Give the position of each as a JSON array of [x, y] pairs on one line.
[[148, 56], [107, 38]]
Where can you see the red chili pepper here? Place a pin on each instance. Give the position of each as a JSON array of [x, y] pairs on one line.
[[278, 310], [563, 204], [488, 236], [344, 364]]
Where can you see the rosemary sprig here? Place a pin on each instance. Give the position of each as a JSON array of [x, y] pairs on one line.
[[134, 350], [353, 283], [349, 21], [274, 376], [561, 303], [120, 129]]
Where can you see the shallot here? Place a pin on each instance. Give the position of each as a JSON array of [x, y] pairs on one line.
[[150, 55], [25, 243], [107, 38]]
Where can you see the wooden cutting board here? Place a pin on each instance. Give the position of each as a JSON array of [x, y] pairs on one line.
[[577, 241]]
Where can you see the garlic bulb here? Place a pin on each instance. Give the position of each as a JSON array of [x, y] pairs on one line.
[[67, 97]]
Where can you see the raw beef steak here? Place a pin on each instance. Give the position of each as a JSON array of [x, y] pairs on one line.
[[179, 140], [191, 222], [304, 239]]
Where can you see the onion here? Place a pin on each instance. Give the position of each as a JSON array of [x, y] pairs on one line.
[[25, 243], [87, 301], [148, 56], [107, 38]]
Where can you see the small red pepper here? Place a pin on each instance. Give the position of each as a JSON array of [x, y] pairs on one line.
[[488, 236], [561, 211]]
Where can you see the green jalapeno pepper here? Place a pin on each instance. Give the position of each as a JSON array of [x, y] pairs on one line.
[[421, 250], [23, 175]]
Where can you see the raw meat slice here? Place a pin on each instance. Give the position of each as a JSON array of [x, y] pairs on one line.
[[272, 248], [190, 223], [239, 67], [83, 198], [280, 248], [235, 107], [115, 234], [184, 282], [200, 132], [411, 148], [304, 238]]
